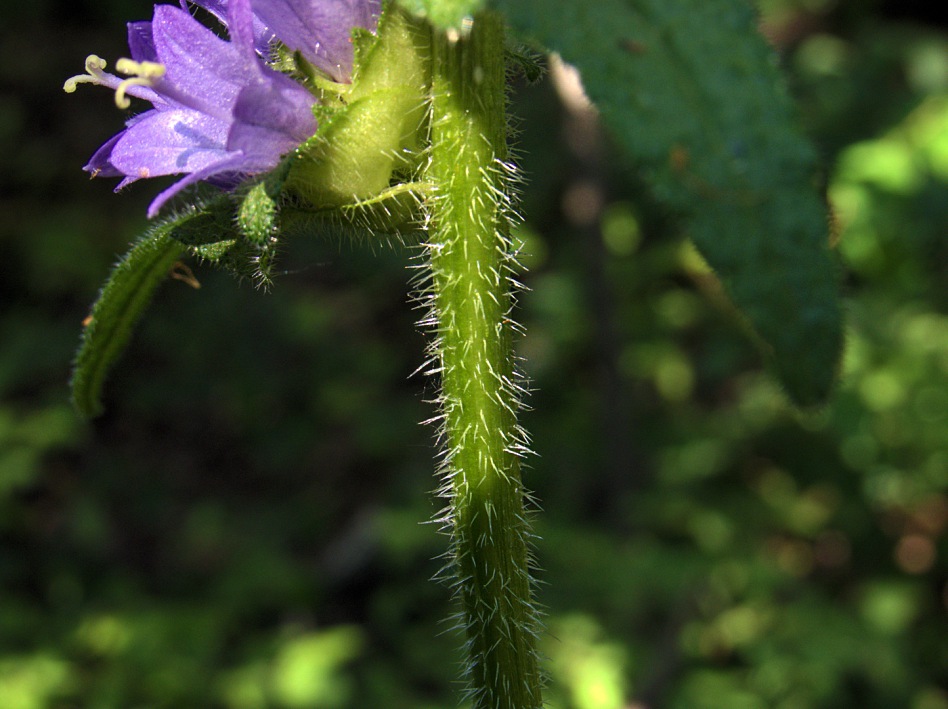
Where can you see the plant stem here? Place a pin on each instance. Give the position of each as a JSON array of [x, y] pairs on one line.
[[471, 266]]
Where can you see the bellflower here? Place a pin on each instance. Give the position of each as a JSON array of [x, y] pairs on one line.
[[219, 113], [318, 29]]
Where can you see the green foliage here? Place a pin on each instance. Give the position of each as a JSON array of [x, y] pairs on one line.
[[242, 528], [24, 439], [693, 96]]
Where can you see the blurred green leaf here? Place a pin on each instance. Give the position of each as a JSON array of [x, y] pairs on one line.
[[170, 555], [308, 668], [693, 95], [33, 681]]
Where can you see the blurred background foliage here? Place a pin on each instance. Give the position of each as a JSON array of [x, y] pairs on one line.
[[244, 528]]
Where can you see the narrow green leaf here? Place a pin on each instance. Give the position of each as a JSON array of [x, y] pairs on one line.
[[692, 92], [120, 305]]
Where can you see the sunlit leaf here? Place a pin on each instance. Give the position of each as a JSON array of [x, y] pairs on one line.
[[692, 93]]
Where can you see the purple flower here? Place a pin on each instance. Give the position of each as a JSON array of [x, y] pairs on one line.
[[320, 30], [219, 113]]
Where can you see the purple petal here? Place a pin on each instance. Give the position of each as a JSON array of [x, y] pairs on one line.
[[218, 8], [262, 36], [100, 164], [280, 104], [141, 43], [226, 165], [319, 29], [240, 26], [170, 142], [272, 118], [201, 70]]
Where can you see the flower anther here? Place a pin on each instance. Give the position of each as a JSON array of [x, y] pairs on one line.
[[141, 73]]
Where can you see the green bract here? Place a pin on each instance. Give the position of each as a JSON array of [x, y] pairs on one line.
[[373, 135]]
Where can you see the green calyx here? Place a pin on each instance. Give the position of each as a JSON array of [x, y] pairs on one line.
[[371, 134]]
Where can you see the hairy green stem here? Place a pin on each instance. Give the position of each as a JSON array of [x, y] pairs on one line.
[[471, 268]]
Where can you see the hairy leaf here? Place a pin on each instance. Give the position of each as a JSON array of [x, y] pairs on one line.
[[120, 305], [692, 93], [257, 222]]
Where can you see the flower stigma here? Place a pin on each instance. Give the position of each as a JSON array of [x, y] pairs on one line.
[[140, 74], [94, 74]]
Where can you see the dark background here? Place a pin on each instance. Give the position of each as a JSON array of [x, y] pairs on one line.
[[245, 527]]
